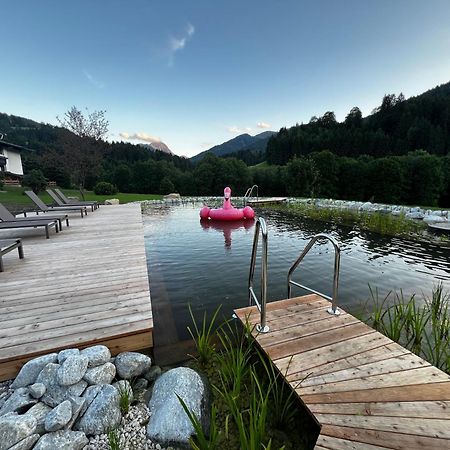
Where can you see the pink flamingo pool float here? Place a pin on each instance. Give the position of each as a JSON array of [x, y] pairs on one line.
[[228, 211]]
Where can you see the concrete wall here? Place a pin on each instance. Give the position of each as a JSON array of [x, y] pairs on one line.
[[14, 162]]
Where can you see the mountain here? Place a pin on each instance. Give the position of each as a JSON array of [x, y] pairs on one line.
[[157, 146], [240, 143]]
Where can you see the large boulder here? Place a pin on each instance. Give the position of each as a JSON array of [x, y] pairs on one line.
[[103, 414], [169, 423], [72, 370], [131, 364], [112, 201], [30, 371], [63, 439], [97, 355], [55, 393], [14, 428], [19, 401]]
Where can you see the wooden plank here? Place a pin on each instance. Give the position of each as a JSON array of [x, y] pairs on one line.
[[424, 409], [436, 428], [408, 377], [392, 440], [322, 339], [417, 393], [387, 366], [372, 355], [327, 443]]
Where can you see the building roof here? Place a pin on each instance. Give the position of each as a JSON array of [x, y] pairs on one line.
[[14, 146]]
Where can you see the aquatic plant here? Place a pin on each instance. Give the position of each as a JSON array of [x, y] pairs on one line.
[[201, 441], [421, 325], [376, 222], [203, 337]]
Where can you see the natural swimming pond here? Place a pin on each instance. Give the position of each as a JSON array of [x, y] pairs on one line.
[[206, 265]]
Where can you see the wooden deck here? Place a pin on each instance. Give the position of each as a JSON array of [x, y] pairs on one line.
[[266, 201], [87, 284], [365, 391]]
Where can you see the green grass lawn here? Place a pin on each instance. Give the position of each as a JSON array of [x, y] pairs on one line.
[[15, 195]]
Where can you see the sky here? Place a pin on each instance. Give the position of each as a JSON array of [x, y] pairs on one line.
[[196, 73]]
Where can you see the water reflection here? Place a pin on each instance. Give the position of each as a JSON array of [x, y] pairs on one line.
[[227, 227]]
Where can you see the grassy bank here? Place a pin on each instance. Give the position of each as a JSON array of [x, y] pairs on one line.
[[15, 195], [385, 224]]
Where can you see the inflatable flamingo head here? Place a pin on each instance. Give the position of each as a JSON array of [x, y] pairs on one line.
[[227, 193]]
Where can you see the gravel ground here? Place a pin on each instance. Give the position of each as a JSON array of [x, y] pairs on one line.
[[131, 435]]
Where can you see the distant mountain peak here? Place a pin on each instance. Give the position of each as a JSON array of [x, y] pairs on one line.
[[158, 146], [236, 144]]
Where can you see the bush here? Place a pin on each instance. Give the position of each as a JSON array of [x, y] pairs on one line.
[[35, 180], [104, 188], [1, 181]]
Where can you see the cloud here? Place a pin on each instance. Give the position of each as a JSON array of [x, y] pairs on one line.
[[92, 80], [179, 43], [140, 137], [238, 130], [263, 125]]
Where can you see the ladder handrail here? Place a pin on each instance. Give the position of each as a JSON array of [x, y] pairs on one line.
[[249, 192], [259, 227], [337, 256]]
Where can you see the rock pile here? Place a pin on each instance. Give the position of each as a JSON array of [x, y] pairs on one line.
[[74, 400], [59, 399]]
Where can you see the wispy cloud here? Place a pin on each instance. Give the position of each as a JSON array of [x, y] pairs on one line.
[[263, 125], [92, 80], [140, 137], [238, 130], [177, 44]]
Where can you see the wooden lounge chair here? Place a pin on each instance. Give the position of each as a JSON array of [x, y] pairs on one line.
[[6, 216], [68, 201], [59, 202], [44, 208], [8, 245], [46, 223]]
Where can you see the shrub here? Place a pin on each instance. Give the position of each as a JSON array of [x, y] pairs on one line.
[[104, 188], [1, 181], [35, 180]]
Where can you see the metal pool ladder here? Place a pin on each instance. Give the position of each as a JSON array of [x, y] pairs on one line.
[[249, 192], [261, 228], [337, 259]]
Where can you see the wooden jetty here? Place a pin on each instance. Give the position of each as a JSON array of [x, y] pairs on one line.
[[365, 391], [86, 285], [266, 201]]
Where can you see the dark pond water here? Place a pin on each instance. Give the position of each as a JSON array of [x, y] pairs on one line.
[[205, 266]]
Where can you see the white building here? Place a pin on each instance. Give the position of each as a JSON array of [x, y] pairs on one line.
[[10, 159]]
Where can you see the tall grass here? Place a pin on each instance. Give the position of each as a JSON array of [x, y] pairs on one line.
[[203, 336], [420, 324]]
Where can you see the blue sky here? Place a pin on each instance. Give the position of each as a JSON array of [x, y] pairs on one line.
[[197, 73]]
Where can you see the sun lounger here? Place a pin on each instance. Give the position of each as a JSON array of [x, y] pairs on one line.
[[46, 223], [6, 216], [59, 202], [43, 207], [68, 201], [7, 246]]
